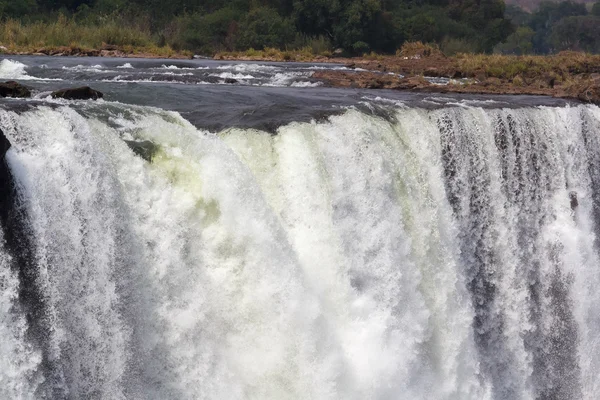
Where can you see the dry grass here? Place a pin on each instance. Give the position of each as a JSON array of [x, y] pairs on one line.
[[66, 33], [559, 67], [418, 50], [270, 54]]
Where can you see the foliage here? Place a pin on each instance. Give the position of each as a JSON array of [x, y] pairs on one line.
[[417, 50], [519, 42], [205, 33], [264, 27], [577, 33], [553, 27], [453, 46], [354, 26]]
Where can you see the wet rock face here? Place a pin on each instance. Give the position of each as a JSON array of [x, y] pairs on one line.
[[14, 89], [145, 149], [81, 93], [573, 200], [4, 145]]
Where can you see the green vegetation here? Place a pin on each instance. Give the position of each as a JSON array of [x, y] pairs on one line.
[[553, 27], [299, 29], [210, 26]]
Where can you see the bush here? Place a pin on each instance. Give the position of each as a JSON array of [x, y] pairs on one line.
[[264, 27], [360, 47], [418, 49], [519, 42], [453, 46], [205, 34]]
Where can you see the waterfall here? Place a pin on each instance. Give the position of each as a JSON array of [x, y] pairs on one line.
[[432, 254]]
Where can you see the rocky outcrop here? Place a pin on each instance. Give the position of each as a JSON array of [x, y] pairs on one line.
[[573, 200], [584, 87], [589, 91], [231, 81], [5, 180], [67, 51], [81, 93], [145, 149], [4, 145], [14, 89], [372, 80]]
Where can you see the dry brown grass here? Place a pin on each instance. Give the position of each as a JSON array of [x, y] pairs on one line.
[[67, 34], [418, 50], [270, 54], [559, 67]]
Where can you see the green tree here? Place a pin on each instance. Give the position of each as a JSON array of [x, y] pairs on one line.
[[596, 9], [264, 27], [16, 8], [359, 23], [547, 15], [577, 33], [315, 17], [518, 43]]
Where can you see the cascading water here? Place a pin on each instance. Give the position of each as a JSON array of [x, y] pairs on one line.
[[438, 254]]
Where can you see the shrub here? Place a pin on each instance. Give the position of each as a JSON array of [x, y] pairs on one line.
[[264, 27], [453, 46], [418, 49], [360, 47]]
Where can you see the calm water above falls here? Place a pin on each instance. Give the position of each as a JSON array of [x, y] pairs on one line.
[[290, 242]]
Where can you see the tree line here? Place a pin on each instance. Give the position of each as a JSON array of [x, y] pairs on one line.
[[355, 26], [553, 27]]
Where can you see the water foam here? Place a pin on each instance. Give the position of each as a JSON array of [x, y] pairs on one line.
[[11, 69], [249, 68]]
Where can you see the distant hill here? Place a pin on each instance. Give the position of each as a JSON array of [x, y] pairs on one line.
[[531, 5]]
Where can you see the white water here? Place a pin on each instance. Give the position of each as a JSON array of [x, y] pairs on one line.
[[10, 69], [435, 257]]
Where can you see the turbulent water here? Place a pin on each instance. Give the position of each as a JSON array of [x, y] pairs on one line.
[[448, 252]]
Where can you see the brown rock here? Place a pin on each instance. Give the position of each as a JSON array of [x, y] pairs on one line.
[[414, 83], [14, 89], [589, 94], [81, 93]]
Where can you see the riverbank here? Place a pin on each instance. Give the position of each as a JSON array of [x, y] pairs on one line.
[[103, 51]]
